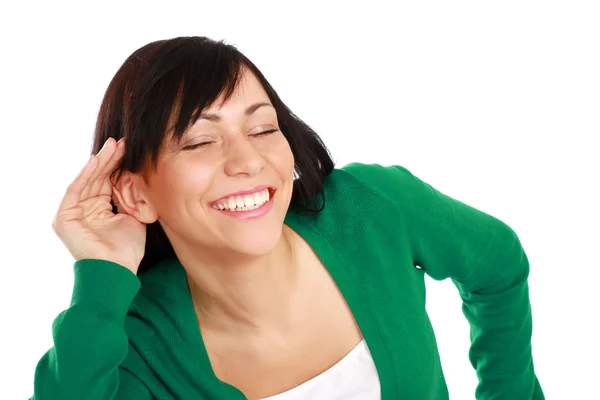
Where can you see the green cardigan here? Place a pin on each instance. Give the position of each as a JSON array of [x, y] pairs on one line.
[[136, 337]]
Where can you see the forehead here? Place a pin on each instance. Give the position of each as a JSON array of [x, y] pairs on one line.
[[248, 90]]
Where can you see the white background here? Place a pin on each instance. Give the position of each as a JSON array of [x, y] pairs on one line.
[[494, 103]]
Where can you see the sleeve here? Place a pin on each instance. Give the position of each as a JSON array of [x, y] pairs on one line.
[[90, 341], [485, 260]]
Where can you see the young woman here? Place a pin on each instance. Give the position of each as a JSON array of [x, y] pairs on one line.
[[220, 255]]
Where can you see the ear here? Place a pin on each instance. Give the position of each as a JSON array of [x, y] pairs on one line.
[[129, 195]]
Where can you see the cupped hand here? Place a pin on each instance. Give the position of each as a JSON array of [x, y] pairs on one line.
[[85, 221]]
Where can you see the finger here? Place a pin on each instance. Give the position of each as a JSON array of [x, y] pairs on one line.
[[100, 181], [104, 184], [113, 163], [104, 156], [81, 181]]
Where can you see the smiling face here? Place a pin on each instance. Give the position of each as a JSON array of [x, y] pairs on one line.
[[227, 184]]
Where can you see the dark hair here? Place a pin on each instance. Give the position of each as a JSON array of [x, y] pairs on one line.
[[172, 82]]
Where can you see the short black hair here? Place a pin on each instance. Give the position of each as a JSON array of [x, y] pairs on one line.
[[170, 82]]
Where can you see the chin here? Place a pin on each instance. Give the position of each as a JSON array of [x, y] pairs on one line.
[[257, 243]]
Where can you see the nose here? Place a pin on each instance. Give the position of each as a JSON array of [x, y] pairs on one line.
[[243, 159]]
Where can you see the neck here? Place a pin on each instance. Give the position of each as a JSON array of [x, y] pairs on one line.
[[244, 293]]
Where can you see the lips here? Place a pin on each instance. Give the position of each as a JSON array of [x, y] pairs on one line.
[[248, 206]]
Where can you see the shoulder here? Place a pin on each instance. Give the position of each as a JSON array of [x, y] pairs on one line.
[[394, 185], [376, 173], [394, 195], [360, 195]]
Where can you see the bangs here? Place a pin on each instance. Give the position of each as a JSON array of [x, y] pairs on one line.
[[200, 84]]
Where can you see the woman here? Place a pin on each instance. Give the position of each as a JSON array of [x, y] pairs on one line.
[[219, 255]]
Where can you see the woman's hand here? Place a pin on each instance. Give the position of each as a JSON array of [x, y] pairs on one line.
[[85, 222]]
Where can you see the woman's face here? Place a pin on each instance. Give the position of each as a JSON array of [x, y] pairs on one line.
[[228, 183]]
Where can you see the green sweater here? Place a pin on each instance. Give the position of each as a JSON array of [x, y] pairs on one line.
[[136, 337]]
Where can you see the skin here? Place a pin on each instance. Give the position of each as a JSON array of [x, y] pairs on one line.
[[270, 314]]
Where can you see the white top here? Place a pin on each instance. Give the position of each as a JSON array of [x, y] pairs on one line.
[[354, 377]]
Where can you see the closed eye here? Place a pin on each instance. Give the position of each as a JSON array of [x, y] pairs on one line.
[[204, 144], [264, 133], [196, 145]]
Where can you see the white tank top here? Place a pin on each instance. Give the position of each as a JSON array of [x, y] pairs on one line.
[[354, 377]]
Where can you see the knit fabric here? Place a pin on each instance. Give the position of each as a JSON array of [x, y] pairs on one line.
[[381, 230]]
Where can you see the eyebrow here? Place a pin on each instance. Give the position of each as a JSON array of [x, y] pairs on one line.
[[249, 111]]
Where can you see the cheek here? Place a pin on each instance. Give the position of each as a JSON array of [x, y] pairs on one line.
[[178, 184], [281, 157]]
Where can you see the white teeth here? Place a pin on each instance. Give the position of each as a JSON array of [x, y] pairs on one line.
[[243, 203], [257, 198]]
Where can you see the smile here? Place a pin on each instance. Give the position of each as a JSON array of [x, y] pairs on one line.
[[247, 205], [247, 202]]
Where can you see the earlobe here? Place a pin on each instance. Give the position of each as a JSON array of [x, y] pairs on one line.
[[129, 197]]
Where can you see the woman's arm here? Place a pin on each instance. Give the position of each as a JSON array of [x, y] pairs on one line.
[[484, 258], [90, 341]]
